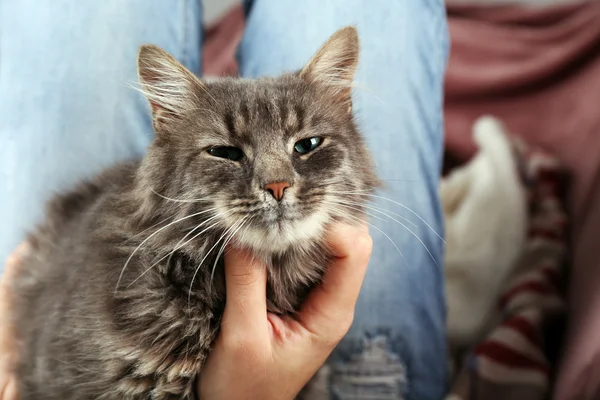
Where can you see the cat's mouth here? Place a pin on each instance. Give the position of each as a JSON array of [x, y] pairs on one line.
[[279, 228], [281, 218]]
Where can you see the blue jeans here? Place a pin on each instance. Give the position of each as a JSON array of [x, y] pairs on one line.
[[66, 112]]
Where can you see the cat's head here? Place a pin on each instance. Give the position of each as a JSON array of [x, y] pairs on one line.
[[275, 159]]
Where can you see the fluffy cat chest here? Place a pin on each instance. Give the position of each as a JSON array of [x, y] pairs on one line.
[[195, 279]]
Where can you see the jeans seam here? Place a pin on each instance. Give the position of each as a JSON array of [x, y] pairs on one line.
[[186, 36], [184, 50]]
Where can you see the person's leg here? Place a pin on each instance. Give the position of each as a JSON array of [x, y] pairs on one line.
[[66, 109], [399, 104]]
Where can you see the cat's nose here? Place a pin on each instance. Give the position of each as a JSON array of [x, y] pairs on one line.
[[276, 189]]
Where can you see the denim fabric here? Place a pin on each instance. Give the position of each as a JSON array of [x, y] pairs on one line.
[[398, 101], [66, 108], [66, 112]]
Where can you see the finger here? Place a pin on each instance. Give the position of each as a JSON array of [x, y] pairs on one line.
[[10, 270], [329, 308], [8, 275], [246, 290], [13, 261], [7, 340], [9, 391]]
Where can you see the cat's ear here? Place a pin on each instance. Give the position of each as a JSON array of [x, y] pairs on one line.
[[169, 86], [335, 63]]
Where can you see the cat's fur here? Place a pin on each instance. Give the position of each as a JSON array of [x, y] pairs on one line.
[[115, 303], [485, 211]]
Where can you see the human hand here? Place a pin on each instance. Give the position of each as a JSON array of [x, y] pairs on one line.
[[8, 383], [259, 355]]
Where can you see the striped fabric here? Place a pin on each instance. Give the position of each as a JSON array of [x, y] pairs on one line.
[[517, 359]]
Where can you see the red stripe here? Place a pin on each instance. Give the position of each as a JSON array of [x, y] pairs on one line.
[[561, 222], [528, 286], [503, 354], [546, 234], [551, 275], [525, 328], [548, 188], [551, 174]]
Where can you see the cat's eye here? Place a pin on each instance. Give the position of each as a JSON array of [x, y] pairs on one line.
[[230, 153], [305, 146]]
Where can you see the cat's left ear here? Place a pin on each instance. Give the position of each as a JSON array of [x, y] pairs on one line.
[[334, 65], [169, 87]]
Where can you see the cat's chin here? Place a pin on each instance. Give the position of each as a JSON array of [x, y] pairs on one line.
[[281, 235]]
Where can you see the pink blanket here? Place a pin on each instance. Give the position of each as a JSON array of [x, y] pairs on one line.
[[539, 70]]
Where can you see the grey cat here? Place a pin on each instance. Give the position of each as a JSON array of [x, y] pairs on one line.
[[122, 295]]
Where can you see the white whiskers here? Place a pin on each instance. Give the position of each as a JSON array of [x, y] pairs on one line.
[[359, 193], [225, 243], [180, 245], [399, 223], [178, 200], [206, 256], [376, 209], [151, 236], [351, 207], [340, 213]]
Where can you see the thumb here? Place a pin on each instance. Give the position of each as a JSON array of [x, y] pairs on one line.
[[246, 290], [329, 308], [8, 343]]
